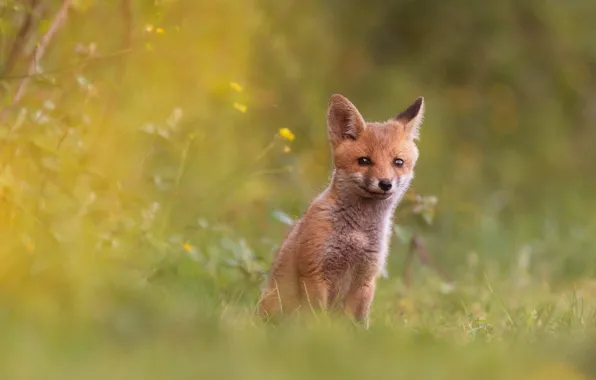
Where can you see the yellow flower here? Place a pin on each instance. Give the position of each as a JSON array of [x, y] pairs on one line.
[[236, 87], [240, 107], [187, 247], [159, 30], [287, 134], [287, 149], [149, 28]]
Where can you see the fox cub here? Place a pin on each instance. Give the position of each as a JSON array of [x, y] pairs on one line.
[[334, 253]]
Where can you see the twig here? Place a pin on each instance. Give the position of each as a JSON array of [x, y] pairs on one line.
[[86, 61], [418, 247], [127, 19], [408, 264], [21, 37], [40, 51]]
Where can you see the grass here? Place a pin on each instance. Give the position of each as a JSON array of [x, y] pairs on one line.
[[482, 328]]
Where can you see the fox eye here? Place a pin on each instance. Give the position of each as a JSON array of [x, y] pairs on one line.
[[398, 162], [364, 161]]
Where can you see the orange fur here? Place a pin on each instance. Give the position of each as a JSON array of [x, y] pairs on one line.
[[334, 253]]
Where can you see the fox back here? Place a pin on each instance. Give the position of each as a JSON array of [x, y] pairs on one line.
[[334, 253]]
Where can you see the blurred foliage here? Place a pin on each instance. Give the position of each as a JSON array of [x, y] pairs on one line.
[[151, 150]]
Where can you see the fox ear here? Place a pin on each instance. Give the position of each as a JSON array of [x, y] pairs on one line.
[[344, 122], [412, 117]]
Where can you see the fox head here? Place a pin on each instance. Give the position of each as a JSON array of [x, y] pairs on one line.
[[373, 160]]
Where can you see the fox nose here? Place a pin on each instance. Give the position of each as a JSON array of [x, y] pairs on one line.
[[385, 184]]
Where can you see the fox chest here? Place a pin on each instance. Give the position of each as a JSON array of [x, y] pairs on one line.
[[356, 251]]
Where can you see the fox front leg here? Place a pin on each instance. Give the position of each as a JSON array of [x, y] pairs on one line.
[[315, 293], [359, 300]]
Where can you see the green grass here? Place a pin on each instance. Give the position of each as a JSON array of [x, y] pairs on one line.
[[483, 328]]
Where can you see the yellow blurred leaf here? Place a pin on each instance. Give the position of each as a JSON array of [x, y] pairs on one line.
[[240, 107], [236, 87]]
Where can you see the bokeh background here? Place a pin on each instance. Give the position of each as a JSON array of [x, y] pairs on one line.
[[153, 152]]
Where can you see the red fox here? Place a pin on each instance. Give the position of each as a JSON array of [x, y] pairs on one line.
[[334, 253]]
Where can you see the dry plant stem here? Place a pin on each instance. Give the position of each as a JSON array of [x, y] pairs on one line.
[[58, 21], [418, 247], [127, 19], [96, 59], [408, 264], [21, 37]]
